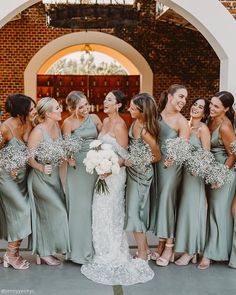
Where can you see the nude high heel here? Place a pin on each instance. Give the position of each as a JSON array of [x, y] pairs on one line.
[[162, 261], [49, 260], [185, 259]]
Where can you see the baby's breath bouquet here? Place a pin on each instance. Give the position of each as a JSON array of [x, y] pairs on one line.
[[233, 147], [102, 159], [13, 158], [50, 153], [71, 145], [140, 155], [178, 149], [199, 162], [218, 174], [1, 137]]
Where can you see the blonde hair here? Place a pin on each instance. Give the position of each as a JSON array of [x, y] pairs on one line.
[[73, 98], [43, 106]]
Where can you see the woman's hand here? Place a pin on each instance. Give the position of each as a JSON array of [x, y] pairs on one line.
[[168, 163], [71, 162], [47, 169], [105, 175], [127, 163], [193, 173], [13, 173], [215, 185]]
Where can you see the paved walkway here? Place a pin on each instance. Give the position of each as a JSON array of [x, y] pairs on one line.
[[67, 280]]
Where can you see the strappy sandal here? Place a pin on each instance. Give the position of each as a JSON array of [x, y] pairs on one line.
[[49, 260], [16, 262], [162, 261], [185, 259]]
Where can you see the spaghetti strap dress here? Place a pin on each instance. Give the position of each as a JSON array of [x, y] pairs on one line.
[[79, 194], [50, 231]]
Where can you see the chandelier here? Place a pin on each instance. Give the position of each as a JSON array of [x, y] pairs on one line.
[[91, 14]]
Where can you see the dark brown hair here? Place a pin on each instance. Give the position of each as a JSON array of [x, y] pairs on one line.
[[164, 95], [147, 105]]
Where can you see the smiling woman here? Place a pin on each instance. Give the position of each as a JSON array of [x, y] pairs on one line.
[[172, 125]]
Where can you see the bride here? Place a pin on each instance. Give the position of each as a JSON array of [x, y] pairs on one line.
[[112, 263]]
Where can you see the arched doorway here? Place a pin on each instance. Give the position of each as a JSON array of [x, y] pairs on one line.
[[125, 53]]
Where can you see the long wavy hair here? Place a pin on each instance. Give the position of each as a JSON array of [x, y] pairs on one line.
[[147, 105], [206, 108], [227, 99]]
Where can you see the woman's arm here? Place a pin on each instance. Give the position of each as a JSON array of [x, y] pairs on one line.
[[34, 140], [228, 136], [66, 128], [205, 137], [155, 149], [183, 128], [4, 135], [97, 122]]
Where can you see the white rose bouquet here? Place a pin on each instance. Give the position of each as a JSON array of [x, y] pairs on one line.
[[102, 159]]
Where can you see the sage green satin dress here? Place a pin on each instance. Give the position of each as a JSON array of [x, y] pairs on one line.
[[14, 203], [50, 231], [167, 188], [79, 194], [219, 219], [232, 260], [191, 219], [137, 195]]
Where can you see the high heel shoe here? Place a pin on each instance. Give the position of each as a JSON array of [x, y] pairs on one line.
[[154, 255], [163, 261], [148, 255], [49, 260], [16, 262], [185, 259], [204, 264]]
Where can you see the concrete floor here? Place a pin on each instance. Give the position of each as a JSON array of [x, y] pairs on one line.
[[67, 280]]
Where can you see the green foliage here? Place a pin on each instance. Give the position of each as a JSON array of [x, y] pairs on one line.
[[85, 66]]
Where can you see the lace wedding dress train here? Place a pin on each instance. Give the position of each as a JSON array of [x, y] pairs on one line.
[[112, 263]]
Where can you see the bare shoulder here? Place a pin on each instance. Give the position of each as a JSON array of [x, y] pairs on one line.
[[4, 128], [95, 119], [203, 129], [67, 121], [226, 126], [181, 121], [105, 120], [120, 124]]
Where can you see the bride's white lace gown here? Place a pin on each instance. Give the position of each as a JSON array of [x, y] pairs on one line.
[[112, 263]]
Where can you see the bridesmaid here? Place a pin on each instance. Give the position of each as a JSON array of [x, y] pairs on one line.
[[49, 217], [172, 125], [144, 130], [80, 184], [191, 219], [14, 205], [219, 220]]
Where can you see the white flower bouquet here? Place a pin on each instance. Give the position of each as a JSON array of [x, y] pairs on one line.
[[140, 155], [233, 147], [71, 145], [49, 153], [219, 174], [102, 159], [178, 149], [200, 162], [13, 158]]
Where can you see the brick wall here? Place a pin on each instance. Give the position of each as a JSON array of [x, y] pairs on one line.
[[230, 5], [175, 54]]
